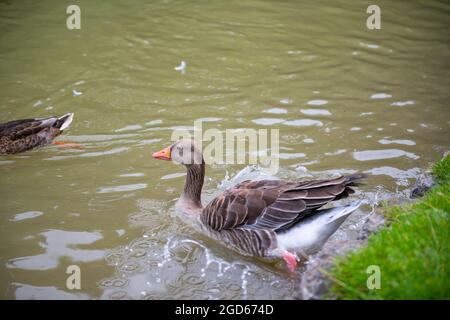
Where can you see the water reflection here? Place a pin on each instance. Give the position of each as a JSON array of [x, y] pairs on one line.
[[303, 123], [123, 188], [316, 112], [402, 103], [397, 141], [380, 95], [267, 121], [275, 110], [59, 244], [29, 292], [131, 127], [368, 155], [26, 215], [318, 102], [401, 176]]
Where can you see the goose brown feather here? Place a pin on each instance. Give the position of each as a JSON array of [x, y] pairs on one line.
[[272, 204]]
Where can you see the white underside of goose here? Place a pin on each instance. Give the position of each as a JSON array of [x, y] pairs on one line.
[[310, 234]]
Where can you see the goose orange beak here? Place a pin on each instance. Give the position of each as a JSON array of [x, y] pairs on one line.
[[163, 154]]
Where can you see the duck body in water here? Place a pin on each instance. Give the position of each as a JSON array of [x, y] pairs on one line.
[[265, 218], [22, 135]]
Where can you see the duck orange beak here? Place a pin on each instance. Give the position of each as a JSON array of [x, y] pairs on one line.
[[163, 154]]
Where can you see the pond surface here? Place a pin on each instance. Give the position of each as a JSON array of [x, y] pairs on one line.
[[344, 98]]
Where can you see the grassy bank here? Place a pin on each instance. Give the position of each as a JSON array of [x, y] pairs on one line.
[[412, 252]]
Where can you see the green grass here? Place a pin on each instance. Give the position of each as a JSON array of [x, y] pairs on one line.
[[412, 252], [441, 170]]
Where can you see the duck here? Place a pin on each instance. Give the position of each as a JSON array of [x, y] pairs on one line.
[[274, 219], [22, 135]]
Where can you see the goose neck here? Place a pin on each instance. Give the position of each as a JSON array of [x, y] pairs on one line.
[[194, 183]]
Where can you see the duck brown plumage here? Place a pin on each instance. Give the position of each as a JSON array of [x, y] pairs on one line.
[[26, 134]]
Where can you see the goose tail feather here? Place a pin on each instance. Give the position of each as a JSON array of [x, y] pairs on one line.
[[310, 234]]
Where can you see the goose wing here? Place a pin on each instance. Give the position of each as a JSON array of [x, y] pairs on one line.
[[273, 205]]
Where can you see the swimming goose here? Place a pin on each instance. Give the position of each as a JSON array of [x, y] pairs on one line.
[[23, 135], [265, 218]]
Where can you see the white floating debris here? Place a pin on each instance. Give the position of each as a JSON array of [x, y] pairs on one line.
[[181, 67], [76, 93]]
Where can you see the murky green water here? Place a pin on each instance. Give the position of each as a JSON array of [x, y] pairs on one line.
[[343, 97]]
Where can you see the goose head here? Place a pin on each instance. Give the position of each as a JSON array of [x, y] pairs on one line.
[[187, 153], [183, 152]]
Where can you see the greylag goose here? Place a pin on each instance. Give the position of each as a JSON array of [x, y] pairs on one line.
[[265, 218], [26, 134]]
